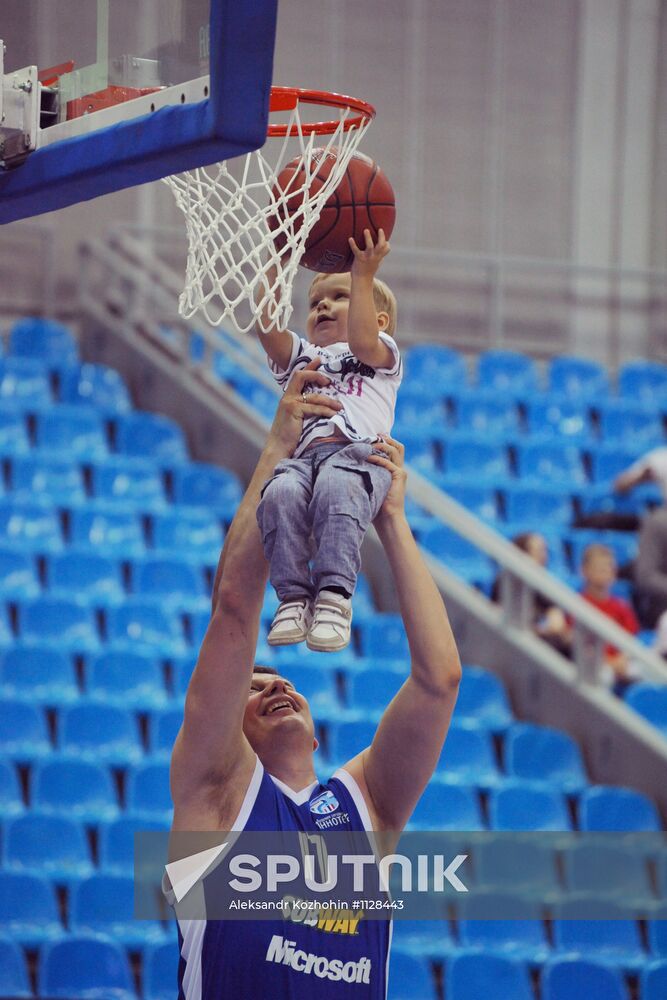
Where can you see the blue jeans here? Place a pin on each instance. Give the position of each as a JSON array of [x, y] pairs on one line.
[[332, 492]]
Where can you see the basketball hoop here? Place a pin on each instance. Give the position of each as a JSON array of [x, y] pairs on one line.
[[233, 214]]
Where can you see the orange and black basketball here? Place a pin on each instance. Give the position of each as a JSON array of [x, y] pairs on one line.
[[364, 199]]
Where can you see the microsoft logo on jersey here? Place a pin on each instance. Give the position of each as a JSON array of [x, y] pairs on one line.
[[324, 804], [285, 952]]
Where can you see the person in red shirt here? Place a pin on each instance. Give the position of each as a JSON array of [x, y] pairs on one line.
[[598, 568]]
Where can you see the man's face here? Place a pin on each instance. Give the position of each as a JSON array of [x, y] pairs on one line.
[[274, 707], [600, 571], [328, 307]]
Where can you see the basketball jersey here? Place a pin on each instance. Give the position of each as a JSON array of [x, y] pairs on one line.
[[302, 955]]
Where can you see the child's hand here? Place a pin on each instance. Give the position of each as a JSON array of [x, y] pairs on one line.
[[368, 259]]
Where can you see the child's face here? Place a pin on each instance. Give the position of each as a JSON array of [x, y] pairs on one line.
[[600, 571], [328, 306]]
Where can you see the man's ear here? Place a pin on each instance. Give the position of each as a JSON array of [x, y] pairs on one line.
[[383, 320], [315, 744]]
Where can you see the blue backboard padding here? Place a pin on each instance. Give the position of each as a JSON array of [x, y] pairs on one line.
[[232, 121]]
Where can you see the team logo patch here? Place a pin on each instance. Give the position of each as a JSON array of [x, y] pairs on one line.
[[324, 804]]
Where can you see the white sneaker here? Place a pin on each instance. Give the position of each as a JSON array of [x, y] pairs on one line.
[[332, 618], [290, 623]]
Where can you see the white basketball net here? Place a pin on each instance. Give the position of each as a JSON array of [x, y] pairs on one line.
[[234, 271]]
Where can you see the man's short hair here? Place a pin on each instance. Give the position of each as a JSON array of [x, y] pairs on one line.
[[257, 669]]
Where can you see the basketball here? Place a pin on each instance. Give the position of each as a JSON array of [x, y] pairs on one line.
[[364, 199]]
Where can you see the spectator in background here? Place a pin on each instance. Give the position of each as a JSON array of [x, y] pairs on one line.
[[598, 569], [549, 622], [651, 568]]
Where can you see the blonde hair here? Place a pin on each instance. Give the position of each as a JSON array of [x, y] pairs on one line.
[[384, 300]]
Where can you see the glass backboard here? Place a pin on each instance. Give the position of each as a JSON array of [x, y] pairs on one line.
[[99, 95]]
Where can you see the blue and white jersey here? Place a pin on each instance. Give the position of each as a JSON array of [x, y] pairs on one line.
[[305, 954]]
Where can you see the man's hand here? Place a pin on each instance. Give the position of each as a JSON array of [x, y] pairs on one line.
[[368, 259], [298, 403], [392, 459]]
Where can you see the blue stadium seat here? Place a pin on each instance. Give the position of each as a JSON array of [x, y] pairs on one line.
[[653, 980], [72, 431], [609, 460], [650, 701], [482, 699], [445, 806], [23, 733], [18, 576], [68, 624], [560, 417], [477, 976], [409, 977], [144, 627], [568, 978], [624, 420], [57, 481], [385, 637], [40, 673], [479, 500], [198, 620], [503, 924], [101, 733], [104, 904], [30, 527], [148, 794], [431, 938], [508, 372], [587, 867], [116, 841], [85, 966], [476, 459], [127, 679], [537, 504], [95, 385], [92, 579], [192, 533], [347, 739], [163, 730], [519, 865], [72, 787], [173, 579], [28, 909], [541, 753], [150, 435], [14, 980], [640, 379], [549, 461], [25, 382], [607, 808], [525, 805], [133, 484], [458, 554], [598, 929], [483, 412], [43, 339], [436, 365], [371, 690], [415, 412], [467, 756], [55, 847], [14, 438], [209, 486], [11, 800], [107, 531], [160, 971], [657, 926], [578, 378]]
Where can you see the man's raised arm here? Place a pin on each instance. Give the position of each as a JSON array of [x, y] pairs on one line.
[[210, 746], [396, 768]]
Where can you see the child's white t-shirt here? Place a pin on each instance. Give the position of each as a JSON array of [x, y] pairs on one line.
[[368, 394]]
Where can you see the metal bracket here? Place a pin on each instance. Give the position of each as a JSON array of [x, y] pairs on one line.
[[19, 113]]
